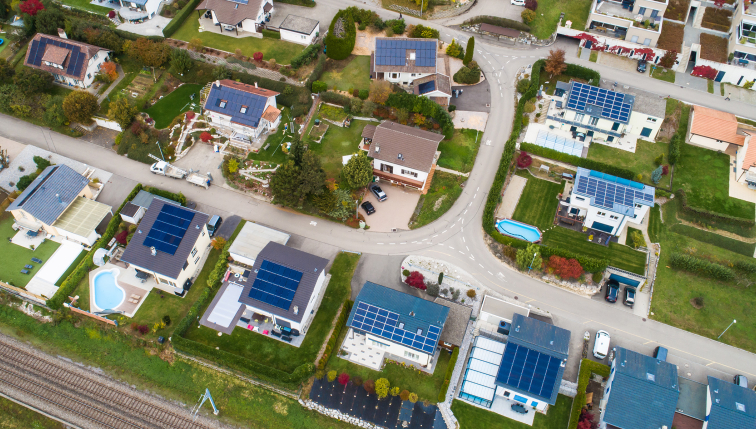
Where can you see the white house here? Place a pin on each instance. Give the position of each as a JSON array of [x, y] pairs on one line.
[[245, 110], [496, 315], [70, 62], [402, 154], [139, 10], [252, 238], [299, 29], [403, 61], [244, 17], [607, 203], [729, 406]]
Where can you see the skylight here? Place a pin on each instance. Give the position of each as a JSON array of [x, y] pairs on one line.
[[650, 377], [243, 109], [222, 104], [740, 406]]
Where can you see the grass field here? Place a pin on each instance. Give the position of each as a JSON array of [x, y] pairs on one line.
[[336, 143], [18, 416], [444, 187], [86, 5], [282, 51], [459, 153], [472, 417], [15, 257], [538, 202], [173, 104], [663, 74], [704, 175], [274, 152], [641, 162], [351, 73], [547, 16], [619, 256], [276, 354]]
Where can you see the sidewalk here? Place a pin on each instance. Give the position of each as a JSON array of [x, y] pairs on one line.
[[115, 83]]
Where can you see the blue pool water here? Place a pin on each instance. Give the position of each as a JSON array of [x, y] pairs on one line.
[[519, 230], [107, 294]]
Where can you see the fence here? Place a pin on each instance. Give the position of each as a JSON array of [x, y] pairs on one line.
[[24, 294], [88, 314]]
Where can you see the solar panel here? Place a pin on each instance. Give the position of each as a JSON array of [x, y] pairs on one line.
[[427, 87], [276, 285], [613, 103], [169, 229], [383, 323], [529, 370], [394, 52]]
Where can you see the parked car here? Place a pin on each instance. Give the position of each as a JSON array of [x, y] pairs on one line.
[[378, 192], [660, 353], [368, 207], [518, 2], [741, 381], [214, 224], [601, 345], [642, 66], [629, 296], [612, 291]]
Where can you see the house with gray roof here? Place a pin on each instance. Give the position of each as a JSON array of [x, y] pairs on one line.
[[239, 18], [133, 211], [299, 29], [60, 202], [642, 392], [729, 406]]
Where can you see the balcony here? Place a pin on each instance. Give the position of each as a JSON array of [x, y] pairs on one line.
[[617, 11]]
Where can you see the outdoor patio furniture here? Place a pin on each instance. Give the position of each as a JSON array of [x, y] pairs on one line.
[[245, 320], [518, 408], [29, 267], [294, 333], [37, 260], [24, 271], [276, 334], [32, 233], [133, 301], [135, 296], [265, 332], [286, 338]]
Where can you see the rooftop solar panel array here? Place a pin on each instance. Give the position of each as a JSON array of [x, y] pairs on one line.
[[75, 58], [529, 370], [427, 87], [229, 101], [169, 229], [385, 324], [394, 52], [275, 284], [607, 194], [614, 105]]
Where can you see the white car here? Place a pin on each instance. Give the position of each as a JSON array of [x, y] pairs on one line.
[[518, 2], [601, 345]]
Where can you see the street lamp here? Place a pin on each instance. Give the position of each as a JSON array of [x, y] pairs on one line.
[[723, 332], [531, 262]]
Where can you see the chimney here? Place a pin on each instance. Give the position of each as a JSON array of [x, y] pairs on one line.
[[217, 83], [255, 84], [153, 251], [296, 309], [62, 33]]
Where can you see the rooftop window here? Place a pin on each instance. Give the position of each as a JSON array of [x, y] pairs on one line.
[[222, 104], [243, 109]]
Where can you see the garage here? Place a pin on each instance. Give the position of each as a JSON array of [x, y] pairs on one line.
[[624, 280], [299, 29]]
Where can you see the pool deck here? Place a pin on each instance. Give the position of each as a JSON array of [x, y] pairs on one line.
[[127, 280]]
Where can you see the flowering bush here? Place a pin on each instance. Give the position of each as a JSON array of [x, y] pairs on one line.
[[416, 280], [665, 170], [343, 378], [565, 268], [257, 56], [111, 14], [705, 72], [206, 137]]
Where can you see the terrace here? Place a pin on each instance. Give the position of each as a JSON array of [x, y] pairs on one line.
[[617, 10]]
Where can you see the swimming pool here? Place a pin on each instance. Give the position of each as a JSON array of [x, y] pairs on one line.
[[519, 230], [107, 294]]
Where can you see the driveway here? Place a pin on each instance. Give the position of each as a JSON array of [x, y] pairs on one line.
[[395, 212], [321, 12], [202, 158], [474, 98], [152, 27]]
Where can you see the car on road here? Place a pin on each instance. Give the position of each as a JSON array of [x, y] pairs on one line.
[[629, 296], [741, 381], [601, 345], [518, 2], [378, 192], [612, 291], [642, 66], [368, 207]]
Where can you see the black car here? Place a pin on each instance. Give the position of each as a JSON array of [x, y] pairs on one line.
[[629, 296], [368, 207], [612, 291], [378, 192], [642, 66]]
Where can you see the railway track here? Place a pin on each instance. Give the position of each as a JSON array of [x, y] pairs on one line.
[[83, 398]]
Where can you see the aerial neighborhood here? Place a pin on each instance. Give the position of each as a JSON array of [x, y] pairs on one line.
[[458, 214]]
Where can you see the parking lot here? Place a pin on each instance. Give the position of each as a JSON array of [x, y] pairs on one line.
[[395, 212]]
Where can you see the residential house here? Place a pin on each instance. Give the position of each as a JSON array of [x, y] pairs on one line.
[[299, 29], [385, 323], [251, 240], [242, 17], [139, 10], [244, 111], [496, 315], [60, 203], [641, 392], [168, 246], [133, 211], [437, 87], [70, 62], [608, 203], [403, 155], [729, 406], [637, 21]]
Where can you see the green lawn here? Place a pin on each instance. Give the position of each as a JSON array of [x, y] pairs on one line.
[[593, 57], [547, 16], [282, 51], [274, 152], [704, 175], [173, 104], [85, 4], [538, 202], [655, 224], [710, 86], [663, 74], [549, 83], [443, 185], [619, 256], [14, 257], [117, 91], [267, 351], [426, 386], [459, 153], [641, 162], [472, 417], [351, 73], [336, 143], [18, 416]]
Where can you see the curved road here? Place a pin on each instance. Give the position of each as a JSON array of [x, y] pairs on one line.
[[457, 236]]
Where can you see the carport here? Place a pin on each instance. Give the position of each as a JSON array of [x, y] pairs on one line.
[[624, 280]]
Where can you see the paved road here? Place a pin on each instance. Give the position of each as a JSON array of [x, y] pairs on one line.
[[457, 236]]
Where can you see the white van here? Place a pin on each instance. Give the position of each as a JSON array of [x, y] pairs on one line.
[[518, 2], [601, 345]]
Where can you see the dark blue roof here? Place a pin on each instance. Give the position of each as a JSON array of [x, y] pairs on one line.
[[600, 102], [76, 56], [613, 193], [732, 406], [50, 193], [231, 101], [643, 393], [427, 87], [399, 317], [393, 52], [540, 336]]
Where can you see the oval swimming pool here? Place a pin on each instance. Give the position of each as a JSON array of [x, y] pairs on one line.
[[107, 294], [519, 230]]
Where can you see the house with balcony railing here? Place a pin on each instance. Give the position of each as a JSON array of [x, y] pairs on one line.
[[637, 21]]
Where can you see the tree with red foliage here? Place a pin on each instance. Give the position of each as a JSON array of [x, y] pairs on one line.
[[369, 386], [705, 72], [668, 59], [206, 137], [665, 170], [108, 69], [720, 3], [531, 4], [31, 7], [585, 421], [416, 280], [143, 329], [524, 160], [121, 236], [111, 14], [257, 56], [565, 268], [343, 378]]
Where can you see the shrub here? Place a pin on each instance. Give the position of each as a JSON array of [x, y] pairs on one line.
[[307, 56], [143, 329], [382, 386], [523, 85], [524, 160], [432, 289], [531, 4], [659, 159], [656, 175], [416, 280], [421, 31], [405, 273], [452, 108], [180, 17], [565, 268], [332, 375], [413, 397], [404, 395], [206, 137], [527, 16], [357, 380], [448, 376], [700, 266], [363, 94], [319, 86], [394, 391], [455, 50], [369, 386], [637, 239], [471, 293], [319, 374], [343, 378], [341, 36], [467, 75], [674, 149], [597, 277], [529, 257], [705, 71], [167, 320]]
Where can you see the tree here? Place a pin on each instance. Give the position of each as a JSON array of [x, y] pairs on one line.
[[355, 105], [413, 397], [416, 280], [523, 85], [181, 61], [25, 181], [404, 395], [149, 53], [32, 80], [196, 45], [284, 184], [668, 59], [319, 86], [332, 375], [382, 386], [79, 106], [48, 21], [6, 70], [108, 71], [527, 16], [30, 7], [525, 257], [402, 115], [358, 170], [369, 386], [469, 51], [325, 201], [206, 137], [312, 177], [379, 91], [357, 380], [555, 64], [54, 115], [297, 151], [121, 111], [656, 175], [524, 160], [394, 391], [368, 108], [637, 238], [531, 5], [220, 73], [565, 268], [343, 378], [218, 243]]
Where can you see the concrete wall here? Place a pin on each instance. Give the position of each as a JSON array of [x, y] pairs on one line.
[[529, 400], [107, 123]]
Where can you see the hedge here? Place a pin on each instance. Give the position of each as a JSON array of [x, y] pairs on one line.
[[592, 76], [737, 246], [271, 34], [448, 376], [425, 106], [316, 72], [340, 324], [467, 75], [340, 48], [180, 17], [679, 137], [709, 214], [305, 57], [86, 265], [587, 367], [335, 98], [179, 198], [700, 266], [578, 161], [500, 22]]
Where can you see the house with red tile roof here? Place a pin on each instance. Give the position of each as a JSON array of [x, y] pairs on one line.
[[70, 62]]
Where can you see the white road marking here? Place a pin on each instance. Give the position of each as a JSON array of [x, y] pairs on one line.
[[479, 51], [465, 211], [462, 228], [490, 273], [379, 243], [403, 243], [460, 219], [470, 205], [474, 196], [435, 236], [463, 240], [453, 225], [444, 231], [502, 95], [468, 249], [461, 252], [451, 248], [488, 143], [424, 239], [414, 242], [478, 186], [481, 266], [392, 243]]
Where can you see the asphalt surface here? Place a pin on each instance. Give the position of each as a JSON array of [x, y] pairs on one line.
[[457, 236]]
